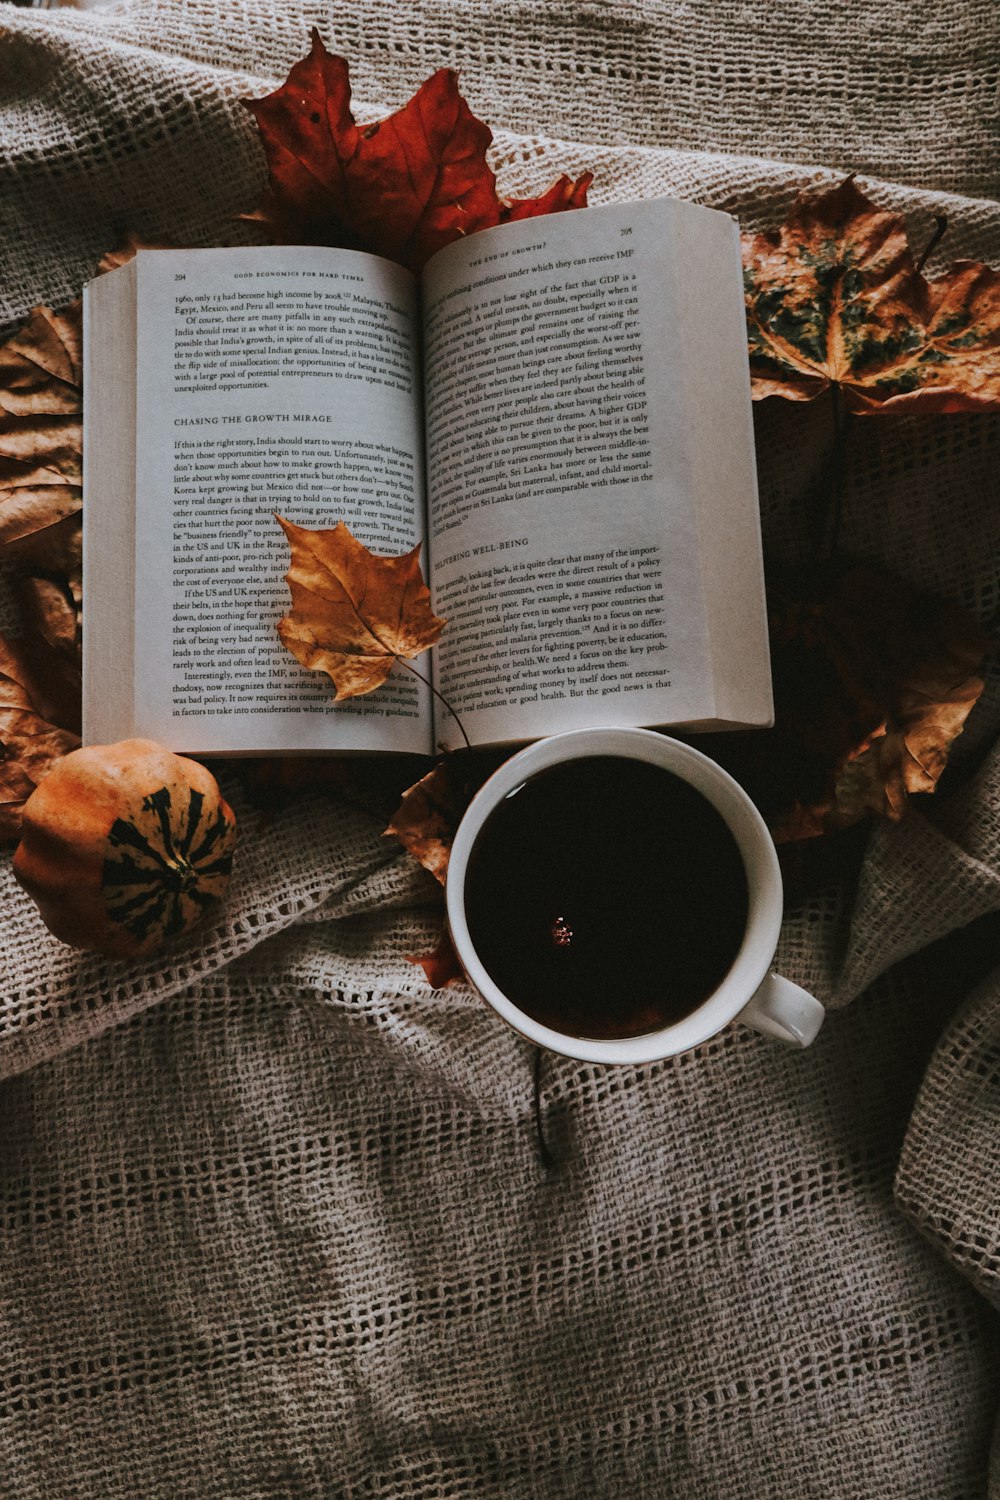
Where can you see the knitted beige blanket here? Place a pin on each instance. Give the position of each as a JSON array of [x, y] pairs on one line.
[[272, 1214]]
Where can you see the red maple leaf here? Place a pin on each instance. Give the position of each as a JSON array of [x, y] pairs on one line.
[[401, 188], [564, 193]]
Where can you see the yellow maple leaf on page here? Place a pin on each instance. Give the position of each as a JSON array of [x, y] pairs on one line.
[[353, 613]]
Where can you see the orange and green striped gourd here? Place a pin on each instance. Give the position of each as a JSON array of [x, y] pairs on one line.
[[124, 846]]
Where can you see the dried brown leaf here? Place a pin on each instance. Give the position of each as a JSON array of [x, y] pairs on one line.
[[41, 440], [873, 681], [441, 965], [835, 297], [909, 755], [41, 365], [429, 814], [48, 607], [49, 647], [30, 744]]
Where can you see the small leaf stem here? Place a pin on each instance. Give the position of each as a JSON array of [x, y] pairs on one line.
[[439, 696], [941, 222], [828, 529]]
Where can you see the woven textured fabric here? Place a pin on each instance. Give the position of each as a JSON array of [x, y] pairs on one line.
[[947, 1176], [279, 1239], [900, 90], [273, 1216]]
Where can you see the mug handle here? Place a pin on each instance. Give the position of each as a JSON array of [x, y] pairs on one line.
[[782, 1009]]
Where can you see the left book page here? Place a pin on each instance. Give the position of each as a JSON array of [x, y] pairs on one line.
[[222, 387]]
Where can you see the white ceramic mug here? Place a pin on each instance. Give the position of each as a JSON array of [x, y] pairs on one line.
[[748, 993]]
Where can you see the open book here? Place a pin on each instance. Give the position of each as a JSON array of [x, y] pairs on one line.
[[559, 408]]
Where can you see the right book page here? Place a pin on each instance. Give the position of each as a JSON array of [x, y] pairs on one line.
[[594, 530]]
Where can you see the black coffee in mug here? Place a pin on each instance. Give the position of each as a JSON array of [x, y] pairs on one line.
[[606, 897]]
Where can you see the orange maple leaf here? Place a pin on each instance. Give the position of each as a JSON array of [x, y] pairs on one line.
[[835, 297], [353, 614], [403, 187]]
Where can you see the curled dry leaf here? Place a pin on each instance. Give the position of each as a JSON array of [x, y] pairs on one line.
[[402, 188], [41, 364], [49, 647], [425, 823], [41, 440], [52, 611], [873, 681], [441, 965], [353, 613], [30, 744], [124, 252], [835, 298], [426, 819], [908, 752], [41, 437]]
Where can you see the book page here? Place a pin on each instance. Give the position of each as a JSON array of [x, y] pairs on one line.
[[108, 513], [562, 452], [269, 380]]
